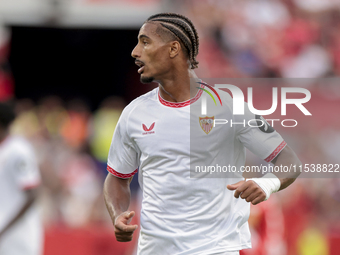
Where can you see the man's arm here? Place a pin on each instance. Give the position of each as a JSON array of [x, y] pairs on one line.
[[31, 196], [117, 199], [252, 192], [287, 157]]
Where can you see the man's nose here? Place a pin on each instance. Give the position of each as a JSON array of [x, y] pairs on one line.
[[135, 52]]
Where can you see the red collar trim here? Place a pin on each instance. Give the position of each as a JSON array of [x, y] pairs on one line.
[[180, 104]]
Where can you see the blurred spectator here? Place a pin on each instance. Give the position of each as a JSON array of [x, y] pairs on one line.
[[281, 38], [313, 242], [74, 129], [312, 62], [81, 188], [52, 114], [104, 123], [27, 122]]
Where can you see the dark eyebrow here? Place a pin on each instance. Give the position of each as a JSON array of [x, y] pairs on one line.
[[143, 36]]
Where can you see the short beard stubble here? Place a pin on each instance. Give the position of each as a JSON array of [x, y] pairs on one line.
[[146, 80]]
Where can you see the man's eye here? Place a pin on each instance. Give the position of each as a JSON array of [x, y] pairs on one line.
[[145, 42]]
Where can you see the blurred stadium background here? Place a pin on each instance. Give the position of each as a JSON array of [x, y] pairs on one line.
[[67, 66]]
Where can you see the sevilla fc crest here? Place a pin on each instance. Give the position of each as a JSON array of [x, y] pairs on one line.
[[207, 123]]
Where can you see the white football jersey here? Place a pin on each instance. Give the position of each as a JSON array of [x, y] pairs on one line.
[[164, 141], [18, 172]]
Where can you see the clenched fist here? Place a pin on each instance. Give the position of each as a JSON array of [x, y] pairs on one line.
[[249, 191]]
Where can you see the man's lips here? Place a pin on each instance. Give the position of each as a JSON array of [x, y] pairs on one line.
[[141, 65], [140, 70]]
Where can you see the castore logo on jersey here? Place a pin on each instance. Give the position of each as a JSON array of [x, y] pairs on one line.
[[148, 130]]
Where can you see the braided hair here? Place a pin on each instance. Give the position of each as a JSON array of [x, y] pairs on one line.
[[180, 28]]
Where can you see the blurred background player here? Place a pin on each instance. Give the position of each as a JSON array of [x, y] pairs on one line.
[[20, 227]]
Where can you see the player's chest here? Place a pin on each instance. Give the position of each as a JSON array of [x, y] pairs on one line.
[[176, 130], [7, 171], [159, 129]]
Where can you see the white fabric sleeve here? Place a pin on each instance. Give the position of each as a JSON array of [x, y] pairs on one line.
[[123, 158], [258, 136], [27, 172]]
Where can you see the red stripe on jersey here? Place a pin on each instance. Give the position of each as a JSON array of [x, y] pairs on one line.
[[276, 152], [31, 186], [119, 175], [181, 104]]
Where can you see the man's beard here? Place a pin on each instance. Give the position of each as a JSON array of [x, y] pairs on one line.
[[146, 79]]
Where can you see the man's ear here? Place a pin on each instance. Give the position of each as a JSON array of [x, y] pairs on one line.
[[175, 48]]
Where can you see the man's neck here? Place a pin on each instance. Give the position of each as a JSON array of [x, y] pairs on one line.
[[179, 88]]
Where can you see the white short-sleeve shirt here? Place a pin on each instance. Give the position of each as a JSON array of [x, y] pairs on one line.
[[180, 214], [18, 172]]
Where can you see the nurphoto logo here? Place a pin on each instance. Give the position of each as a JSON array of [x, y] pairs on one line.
[[239, 99]]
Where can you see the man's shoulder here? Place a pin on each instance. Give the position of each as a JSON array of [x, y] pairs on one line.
[[147, 98], [18, 146]]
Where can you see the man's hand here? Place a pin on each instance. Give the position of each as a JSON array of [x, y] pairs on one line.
[[123, 230], [249, 191]]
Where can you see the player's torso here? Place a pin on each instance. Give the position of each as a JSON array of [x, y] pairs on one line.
[[170, 139], [11, 196]]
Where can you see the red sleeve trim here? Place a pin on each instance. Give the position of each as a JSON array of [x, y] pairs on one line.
[[276, 151], [31, 186], [119, 175]]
